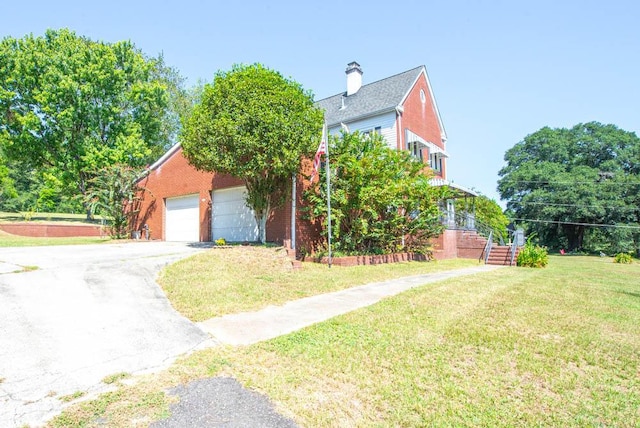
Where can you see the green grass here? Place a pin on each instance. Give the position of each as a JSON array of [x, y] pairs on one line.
[[71, 397], [116, 377], [514, 347], [240, 278]]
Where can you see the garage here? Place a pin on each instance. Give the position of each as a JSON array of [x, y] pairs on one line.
[[231, 219], [183, 219]]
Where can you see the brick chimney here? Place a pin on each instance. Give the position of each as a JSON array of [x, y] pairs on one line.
[[354, 78]]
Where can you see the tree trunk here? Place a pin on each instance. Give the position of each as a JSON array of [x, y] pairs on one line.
[[83, 191], [575, 236], [262, 227]]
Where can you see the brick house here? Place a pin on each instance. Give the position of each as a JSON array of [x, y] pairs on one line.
[[401, 108], [184, 204]]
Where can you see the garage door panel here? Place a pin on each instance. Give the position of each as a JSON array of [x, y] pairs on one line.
[[231, 218], [182, 222]]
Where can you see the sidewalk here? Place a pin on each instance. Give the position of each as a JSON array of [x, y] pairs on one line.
[[250, 327]]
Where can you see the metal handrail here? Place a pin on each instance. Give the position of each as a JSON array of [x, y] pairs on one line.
[[487, 248], [463, 220], [514, 247]]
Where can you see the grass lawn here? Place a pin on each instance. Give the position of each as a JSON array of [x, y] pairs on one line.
[[514, 347], [238, 279]]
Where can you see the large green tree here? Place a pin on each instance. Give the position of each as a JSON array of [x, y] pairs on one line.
[[568, 184], [72, 106], [256, 125], [381, 199]]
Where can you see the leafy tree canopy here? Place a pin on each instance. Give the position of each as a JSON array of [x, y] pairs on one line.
[[257, 125], [561, 179], [381, 199], [76, 105]]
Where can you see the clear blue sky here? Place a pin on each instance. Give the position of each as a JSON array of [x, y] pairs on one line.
[[500, 70]]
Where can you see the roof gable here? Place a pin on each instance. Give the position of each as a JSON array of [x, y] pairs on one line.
[[377, 97], [168, 154]]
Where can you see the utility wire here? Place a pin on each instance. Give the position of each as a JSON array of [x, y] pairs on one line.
[[616, 226], [568, 205], [548, 182]]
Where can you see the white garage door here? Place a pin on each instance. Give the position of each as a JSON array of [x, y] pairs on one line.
[[183, 219], [231, 219]]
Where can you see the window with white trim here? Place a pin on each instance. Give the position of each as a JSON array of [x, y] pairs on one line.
[[376, 130], [415, 148], [435, 162]]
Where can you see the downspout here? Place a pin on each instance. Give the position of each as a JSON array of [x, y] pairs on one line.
[[292, 235], [399, 132]]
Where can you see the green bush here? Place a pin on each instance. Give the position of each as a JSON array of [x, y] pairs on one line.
[[221, 241], [623, 258], [532, 255]]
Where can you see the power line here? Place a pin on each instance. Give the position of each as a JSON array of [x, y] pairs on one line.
[[548, 182], [615, 226], [568, 205]]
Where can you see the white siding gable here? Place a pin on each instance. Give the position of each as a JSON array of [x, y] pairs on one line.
[[386, 122]]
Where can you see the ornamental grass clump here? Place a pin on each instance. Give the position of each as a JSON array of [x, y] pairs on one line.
[[624, 258], [532, 255]]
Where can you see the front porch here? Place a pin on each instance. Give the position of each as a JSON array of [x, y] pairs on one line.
[[467, 237]]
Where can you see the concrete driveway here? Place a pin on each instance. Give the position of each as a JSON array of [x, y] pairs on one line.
[[85, 313]]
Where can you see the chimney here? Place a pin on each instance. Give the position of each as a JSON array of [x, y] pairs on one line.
[[354, 78]]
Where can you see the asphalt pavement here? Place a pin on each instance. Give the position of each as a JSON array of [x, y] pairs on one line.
[[72, 315]]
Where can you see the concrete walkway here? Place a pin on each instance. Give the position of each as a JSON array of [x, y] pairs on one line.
[[273, 321]]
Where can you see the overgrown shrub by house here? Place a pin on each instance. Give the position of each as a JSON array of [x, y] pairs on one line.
[[381, 198], [532, 255]]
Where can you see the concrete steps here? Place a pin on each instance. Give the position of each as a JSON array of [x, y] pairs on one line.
[[501, 255], [291, 254], [472, 245]]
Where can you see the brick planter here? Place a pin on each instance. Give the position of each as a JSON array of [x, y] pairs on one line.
[[374, 259]]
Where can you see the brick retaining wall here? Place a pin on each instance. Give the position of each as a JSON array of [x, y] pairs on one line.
[[49, 230]]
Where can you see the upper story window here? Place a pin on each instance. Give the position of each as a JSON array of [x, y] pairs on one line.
[[376, 130], [423, 97], [435, 162], [415, 148]]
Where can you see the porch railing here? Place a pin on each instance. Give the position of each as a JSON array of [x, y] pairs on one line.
[[487, 247], [467, 221]]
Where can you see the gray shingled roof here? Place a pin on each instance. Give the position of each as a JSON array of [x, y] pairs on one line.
[[375, 97]]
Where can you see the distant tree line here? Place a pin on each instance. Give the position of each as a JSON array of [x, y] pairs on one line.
[[577, 189]]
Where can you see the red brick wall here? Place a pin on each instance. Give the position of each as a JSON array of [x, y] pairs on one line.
[[470, 244], [50, 230], [279, 225], [176, 177], [421, 118], [445, 245]]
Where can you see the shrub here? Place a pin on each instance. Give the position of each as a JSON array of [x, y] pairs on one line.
[[221, 241], [623, 258], [532, 255]]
